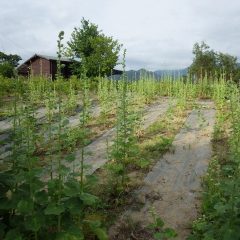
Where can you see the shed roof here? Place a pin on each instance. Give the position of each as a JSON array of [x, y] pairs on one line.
[[53, 58], [63, 59]]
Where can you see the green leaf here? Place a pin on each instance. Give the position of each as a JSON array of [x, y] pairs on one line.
[[25, 207], [53, 209], [63, 170], [152, 226], [159, 236], [220, 208], [75, 205], [70, 157], [72, 188], [142, 163], [69, 236], [34, 223], [230, 234], [96, 228], [169, 233], [165, 234], [65, 122], [88, 199], [93, 224], [76, 231], [159, 222], [41, 197], [52, 185], [230, 231], [6, 204], [2, 230], [13, 234], [101, 234]]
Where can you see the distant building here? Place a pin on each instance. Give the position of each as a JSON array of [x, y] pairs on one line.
[[42, 65], [46, 66]]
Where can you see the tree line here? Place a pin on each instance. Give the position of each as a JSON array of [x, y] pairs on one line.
[[209, 63], [96, 54]]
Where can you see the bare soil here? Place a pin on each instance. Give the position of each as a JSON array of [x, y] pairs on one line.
[[98, 149], [6, 126], [173, 187]]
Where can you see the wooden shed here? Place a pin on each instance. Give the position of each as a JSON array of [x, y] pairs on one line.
[[42, 65]]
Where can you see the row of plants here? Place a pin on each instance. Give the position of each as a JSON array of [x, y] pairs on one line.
[[50, 202], [122, 175], [220, 206], [167, 86]]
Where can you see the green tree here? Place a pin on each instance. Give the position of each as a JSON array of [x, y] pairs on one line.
[[208, 62], [227, 64], [100, 53], [204, 62], [6, 70], [8, 64]]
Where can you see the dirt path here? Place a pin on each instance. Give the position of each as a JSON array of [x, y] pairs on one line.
[[173, 187], [98, 148], [7, 124], [74, 120], [4, 137]]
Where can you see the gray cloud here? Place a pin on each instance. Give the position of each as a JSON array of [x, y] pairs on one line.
[[157, 34]]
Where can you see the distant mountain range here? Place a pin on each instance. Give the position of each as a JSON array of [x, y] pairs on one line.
[[137, 74]]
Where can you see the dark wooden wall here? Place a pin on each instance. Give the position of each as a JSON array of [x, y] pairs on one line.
[[43, 67], [40, 67]]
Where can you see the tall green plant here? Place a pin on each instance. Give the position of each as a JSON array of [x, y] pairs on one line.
[[124, 148]]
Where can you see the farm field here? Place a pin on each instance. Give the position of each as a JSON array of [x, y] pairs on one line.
[[146, 159]]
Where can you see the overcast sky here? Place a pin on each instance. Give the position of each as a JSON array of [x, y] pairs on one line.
[[158, 34]]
